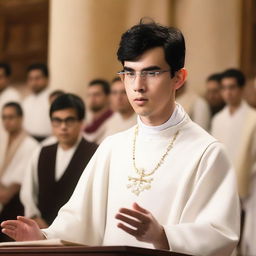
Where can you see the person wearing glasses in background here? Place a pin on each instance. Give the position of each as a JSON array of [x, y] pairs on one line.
[[164, 183], [55, 169]]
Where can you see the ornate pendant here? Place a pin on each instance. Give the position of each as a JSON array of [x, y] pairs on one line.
[[139, 184]]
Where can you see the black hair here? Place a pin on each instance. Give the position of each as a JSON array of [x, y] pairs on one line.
[[103, 83], [145, 36], [116, 79], [7, 68], [214, 77], [69, 100], [39, 66], [236, 74], [16, 106], [56, 93]]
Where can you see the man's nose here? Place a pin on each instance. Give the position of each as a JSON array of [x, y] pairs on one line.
[[139, 83]]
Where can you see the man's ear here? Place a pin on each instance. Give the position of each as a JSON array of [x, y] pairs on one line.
[[180, 78]]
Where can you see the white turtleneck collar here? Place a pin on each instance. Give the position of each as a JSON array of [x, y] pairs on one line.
[[176, 117]]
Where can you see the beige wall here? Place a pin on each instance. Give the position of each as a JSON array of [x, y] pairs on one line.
[[211, 29], [84, 36]]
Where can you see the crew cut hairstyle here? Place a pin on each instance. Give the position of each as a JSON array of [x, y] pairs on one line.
[[214, 77], [39, 66], [236, 74], [145, 36], [7, 69], [103, 83], [16, 106], [69, 100]]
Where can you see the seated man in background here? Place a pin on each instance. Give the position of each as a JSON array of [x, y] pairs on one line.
[[213, 93], [124, 116], [7, 93], [15, 153], [55, 169], [36, 105], [97, 101]]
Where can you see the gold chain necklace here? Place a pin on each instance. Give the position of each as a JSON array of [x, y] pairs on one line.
[[141, 183]]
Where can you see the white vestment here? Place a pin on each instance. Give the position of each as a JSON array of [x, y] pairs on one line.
[[30, 187], [193, 194], [232, 130], [116, 123], [196, 107], [36, 114], [14, 172], [7, 95]]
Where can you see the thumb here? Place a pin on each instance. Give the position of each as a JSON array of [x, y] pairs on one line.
[[26, 220], [139, 208]]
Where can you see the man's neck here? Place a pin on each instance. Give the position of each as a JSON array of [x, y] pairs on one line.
[[14, 135], [233, 108], [67, 146], [99, 113]]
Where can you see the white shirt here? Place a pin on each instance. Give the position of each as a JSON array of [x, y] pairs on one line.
[[29, 189], [14, 173], [36, 114], [116, 123], [193, 194]]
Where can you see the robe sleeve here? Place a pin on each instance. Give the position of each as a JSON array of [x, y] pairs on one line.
[[29, 187], [83, 218], [208, 223]]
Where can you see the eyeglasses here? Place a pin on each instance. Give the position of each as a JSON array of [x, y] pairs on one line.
[[130, 76], [69, 121], [9, 117]]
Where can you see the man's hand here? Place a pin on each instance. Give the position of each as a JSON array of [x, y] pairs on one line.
[[143, 226], [22, 229], [40, 222]]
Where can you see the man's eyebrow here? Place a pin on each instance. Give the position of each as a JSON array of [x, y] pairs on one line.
[[144, 69]]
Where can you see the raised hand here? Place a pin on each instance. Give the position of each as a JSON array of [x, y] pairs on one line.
[[22, 229], [143, 226]]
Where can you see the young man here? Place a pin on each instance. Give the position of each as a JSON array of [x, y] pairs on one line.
[[15, 153], [55, 169], [213, 93], [235, 126], [124, 116], [98, 104], [164, 183], [36, 105], [7, 93]]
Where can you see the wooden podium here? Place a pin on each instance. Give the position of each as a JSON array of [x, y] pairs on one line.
[[85, 251]]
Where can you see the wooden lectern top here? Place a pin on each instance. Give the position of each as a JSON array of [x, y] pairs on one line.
[[85, 251]]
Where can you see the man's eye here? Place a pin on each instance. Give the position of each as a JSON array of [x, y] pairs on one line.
[[129, 73], [152, 73]]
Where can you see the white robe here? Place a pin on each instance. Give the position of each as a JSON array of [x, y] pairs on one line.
[[193, 194], [14, 173], [36, 114], [116, 123]]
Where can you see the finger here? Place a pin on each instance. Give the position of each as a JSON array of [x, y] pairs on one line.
[[26, 220], [139, 208], [128, 230], [10, 233], [10, 227], [9, 222], [127, 220], [134, 214]]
